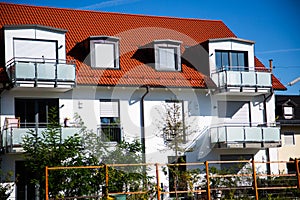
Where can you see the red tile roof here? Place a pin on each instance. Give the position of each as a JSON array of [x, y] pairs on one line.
[[133, 30]]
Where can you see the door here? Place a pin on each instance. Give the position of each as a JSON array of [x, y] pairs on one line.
[[35, 112]]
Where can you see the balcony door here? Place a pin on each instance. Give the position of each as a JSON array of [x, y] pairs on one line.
[[34, 112]]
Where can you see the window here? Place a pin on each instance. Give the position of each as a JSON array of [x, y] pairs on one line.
[[288, 112], [110, 120], [231, 60], [167, 55], [167, 58], [288, 139], [105, 52], [35, 112]]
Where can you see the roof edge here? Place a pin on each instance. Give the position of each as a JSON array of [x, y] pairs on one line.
[[231, 39], [34, 26]]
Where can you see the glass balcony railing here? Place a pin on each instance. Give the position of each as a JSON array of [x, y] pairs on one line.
[[12, 137], [241, 77], [39, 70], [241, 134]]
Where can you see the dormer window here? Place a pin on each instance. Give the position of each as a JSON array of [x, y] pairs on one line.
[[288, 109], [231, 60], [167, 55], [104, 52], [288, 112]]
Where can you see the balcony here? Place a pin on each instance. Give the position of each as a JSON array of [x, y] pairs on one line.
[[241, 136], [12, 137], [42, 73], [237, 80]]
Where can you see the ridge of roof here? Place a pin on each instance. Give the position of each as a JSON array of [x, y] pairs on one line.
[[115, 13]]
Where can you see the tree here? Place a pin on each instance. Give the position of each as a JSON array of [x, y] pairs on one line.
[[174, 135], [121, 178], [48, 149]]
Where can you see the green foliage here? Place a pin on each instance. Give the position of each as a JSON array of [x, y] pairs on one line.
[[49, 149], [6, 188]]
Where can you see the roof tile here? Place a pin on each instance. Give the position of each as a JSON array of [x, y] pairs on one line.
[[138, 30]]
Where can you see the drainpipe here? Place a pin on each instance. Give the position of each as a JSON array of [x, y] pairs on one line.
[[142, 113], [265, 118], [265, 124]]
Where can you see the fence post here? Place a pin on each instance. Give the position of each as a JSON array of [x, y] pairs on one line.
[[207, 179], [46, 180], [297, 172], [254, 179], [106, 180], [157, 182]]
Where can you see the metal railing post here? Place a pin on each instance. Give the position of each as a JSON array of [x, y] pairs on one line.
[[157, 182], [297, 172], [207, 179], [254, 179], [11, 139], [46, 180]]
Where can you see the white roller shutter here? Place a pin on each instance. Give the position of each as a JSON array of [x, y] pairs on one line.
[[234, 111], [167, 58], [104, 55], [34, 49], [109, 108]]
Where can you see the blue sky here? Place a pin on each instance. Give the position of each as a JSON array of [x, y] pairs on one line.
[[273, 24]]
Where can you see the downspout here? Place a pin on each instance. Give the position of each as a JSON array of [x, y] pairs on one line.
[[265, 124], [266, 121], [142, 113]]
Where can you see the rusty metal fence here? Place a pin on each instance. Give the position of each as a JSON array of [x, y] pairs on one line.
[[208, 180]]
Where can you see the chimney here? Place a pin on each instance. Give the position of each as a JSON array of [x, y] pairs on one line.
[[271, 65]]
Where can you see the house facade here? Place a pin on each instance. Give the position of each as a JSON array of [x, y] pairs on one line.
[[288, 115], [123, 70]]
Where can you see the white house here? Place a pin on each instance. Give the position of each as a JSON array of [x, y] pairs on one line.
[[123, 68]]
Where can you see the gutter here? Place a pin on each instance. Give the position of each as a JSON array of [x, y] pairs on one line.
[[142, 113]]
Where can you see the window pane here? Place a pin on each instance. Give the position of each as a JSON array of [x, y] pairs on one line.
[[167, 58], [219, 60], [234, 60], [241, 59], [104, 55], [225, 61]]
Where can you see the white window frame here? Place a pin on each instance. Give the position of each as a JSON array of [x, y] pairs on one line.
[[167, 44], [105, 40]]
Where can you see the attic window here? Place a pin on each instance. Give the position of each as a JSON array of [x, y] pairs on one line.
[[288, 109], [167, 55], [288, 112], [104, 52]]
